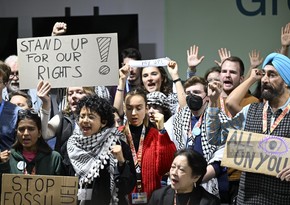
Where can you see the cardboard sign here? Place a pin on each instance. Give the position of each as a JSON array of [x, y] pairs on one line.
[[257, 153], [38, 189], [74, 60]]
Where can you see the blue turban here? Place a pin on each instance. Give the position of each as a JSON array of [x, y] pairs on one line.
[[282, 65]]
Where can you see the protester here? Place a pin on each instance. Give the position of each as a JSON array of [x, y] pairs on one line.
[[98, 155], [186, 173], [152, 148], [258, 188]]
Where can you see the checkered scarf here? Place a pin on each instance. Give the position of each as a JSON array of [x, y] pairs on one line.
[[90, 154], [181, 126], [158, 98]]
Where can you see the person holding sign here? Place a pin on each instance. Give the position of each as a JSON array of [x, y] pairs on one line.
[[186, 173], [30, 154], [98, 155], [270, 117], [152, 148]]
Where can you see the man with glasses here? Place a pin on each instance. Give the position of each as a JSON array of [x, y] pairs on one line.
[[8, 112]]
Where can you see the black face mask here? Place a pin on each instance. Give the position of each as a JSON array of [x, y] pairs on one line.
[[194, 102]]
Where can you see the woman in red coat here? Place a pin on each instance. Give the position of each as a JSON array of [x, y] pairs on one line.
[[152, 149]]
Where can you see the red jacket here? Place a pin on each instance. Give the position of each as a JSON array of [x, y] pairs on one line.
[[157, 156]]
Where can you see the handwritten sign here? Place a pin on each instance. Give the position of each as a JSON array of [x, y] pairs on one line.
[[149, 63], [76, 60], [38, 189], [257, 153]]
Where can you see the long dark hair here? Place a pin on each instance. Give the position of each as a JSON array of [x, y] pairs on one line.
[[30, 114], [166, 83]]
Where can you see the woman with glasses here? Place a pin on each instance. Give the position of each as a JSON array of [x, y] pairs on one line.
[[30, 154], [99, 156]]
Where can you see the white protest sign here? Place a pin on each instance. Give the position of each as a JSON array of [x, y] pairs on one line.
[[149, 63], [258, 153], [73, 60]]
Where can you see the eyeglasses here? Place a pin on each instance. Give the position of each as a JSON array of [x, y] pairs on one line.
[[27, 112], [13, 74]]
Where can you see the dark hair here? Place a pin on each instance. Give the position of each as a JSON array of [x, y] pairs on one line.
[[99, 105], [238, 60], [130, 53], [23, 94], [196, 162], [194, 80], [166, 83], [31, 114], [5, 72], [212, 70]]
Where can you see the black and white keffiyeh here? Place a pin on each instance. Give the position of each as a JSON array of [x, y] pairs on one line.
[[158, 98], [181, 126], [90, 154]]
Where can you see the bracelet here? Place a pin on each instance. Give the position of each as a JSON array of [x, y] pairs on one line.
[[176, 80], [120, 90]]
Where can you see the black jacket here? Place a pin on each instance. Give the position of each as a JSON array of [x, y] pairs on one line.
[[199, 196]]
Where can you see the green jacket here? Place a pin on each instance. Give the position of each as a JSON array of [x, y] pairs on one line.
[[45, 164]]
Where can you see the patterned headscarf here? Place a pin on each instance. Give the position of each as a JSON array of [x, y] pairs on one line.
[[158, 98]]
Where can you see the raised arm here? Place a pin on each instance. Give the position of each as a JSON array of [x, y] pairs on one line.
[[193, 60], [43, 89], [172, 68], [223, 54], [285, 39], [255, 61], [234, 99], [119, 96], [59, 28]]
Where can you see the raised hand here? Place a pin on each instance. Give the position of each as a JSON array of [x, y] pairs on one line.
[[285, 35], [223, 54], [192, 57], [214, 90], [4, 156], [255, 59], [59, 28]]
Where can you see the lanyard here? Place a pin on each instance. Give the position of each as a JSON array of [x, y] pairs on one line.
[[1, 106], [137, 157], [222, 102], [276, 122], [196, 126]]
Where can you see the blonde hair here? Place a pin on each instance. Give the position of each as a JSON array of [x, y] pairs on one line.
[[87, 91]]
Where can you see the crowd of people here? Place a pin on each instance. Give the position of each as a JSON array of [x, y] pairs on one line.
[[153, 138]]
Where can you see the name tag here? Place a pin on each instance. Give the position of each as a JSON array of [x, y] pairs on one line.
[[139, 198], [85, 194]]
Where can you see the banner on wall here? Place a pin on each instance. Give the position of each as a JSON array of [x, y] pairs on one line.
[[73, 60]]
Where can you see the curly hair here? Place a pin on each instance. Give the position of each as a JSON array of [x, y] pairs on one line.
[[99, 105], [166, 83]]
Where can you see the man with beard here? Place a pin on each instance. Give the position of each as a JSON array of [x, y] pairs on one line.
[[232, 71], [187, 130], [268, 117]]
